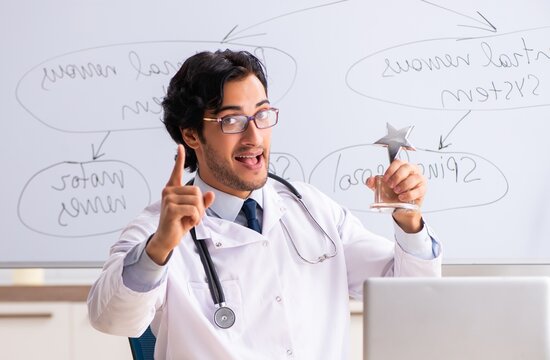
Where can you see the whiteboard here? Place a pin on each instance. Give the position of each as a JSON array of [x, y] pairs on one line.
[[84, 150]]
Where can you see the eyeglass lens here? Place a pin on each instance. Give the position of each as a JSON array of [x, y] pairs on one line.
[[238, 123]]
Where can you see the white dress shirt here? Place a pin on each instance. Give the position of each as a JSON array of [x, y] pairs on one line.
[[285, 308]]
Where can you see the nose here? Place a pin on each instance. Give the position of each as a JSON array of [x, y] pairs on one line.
[[252, 135]]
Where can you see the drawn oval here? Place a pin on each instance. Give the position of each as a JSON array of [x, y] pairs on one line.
[[286, 166], [80, 199], [455, 179], [506, 71], [121, 87]]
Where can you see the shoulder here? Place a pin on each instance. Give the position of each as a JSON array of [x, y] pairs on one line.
[[292, 186], [144, 223], [310, 194], [152, 210]]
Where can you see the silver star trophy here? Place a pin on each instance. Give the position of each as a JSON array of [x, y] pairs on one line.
[[385, 199]]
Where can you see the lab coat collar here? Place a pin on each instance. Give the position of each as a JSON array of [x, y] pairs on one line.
[[227, 234], [226, 206]]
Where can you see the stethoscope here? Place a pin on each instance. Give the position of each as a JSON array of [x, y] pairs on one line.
[[224, 317]]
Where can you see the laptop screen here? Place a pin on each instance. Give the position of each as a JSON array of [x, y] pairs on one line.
[[504, 318]]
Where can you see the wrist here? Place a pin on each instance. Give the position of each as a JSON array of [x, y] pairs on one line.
[[409, 221], [156, 251]]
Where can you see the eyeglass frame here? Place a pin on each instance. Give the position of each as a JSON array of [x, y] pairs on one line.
[[248, 120]]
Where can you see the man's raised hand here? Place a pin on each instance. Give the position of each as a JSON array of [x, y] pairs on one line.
[[182, 208]]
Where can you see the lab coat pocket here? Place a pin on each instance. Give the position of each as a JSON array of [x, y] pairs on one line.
[[200, 292]]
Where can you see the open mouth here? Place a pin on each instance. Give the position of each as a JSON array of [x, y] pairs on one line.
[[250, 159]]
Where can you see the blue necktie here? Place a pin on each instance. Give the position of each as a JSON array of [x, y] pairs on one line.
[[249, 208]]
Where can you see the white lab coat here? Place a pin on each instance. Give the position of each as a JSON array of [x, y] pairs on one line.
[[285, 308]]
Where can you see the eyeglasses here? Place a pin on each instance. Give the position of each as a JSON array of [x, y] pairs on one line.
[[234, 124]]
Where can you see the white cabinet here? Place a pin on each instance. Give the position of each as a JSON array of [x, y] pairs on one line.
[[34, 331], [90, 344], [56, 331]]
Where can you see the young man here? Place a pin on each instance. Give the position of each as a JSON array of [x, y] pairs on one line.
[[286, 273]]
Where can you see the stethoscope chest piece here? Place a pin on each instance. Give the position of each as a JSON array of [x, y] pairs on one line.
[[224, 317]]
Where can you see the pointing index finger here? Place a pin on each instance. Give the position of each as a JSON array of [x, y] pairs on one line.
[[176, 178]]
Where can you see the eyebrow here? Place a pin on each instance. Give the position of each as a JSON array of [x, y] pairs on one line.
[[239, 108]]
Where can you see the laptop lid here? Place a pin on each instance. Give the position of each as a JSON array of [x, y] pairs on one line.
[[462, 318]]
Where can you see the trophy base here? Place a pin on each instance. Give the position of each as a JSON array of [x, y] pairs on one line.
[[391, 207]]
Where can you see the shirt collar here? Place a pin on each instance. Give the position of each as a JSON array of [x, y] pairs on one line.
[[226, 206]]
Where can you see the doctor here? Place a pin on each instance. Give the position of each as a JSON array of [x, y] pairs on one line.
[[286, 272]]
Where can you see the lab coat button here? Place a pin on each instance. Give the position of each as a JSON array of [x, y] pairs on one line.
[[278, 298], [289, 352], [218, 244]]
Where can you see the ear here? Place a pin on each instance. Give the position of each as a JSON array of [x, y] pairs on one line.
[[191, 137]]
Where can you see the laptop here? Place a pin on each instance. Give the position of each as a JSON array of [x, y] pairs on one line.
[[462, 318]]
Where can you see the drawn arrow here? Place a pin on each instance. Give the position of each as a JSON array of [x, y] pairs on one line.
[[486, 25], [95, 154], [442, 139], [232, 35]]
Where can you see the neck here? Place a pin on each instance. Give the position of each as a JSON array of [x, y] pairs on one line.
[[243, 194]]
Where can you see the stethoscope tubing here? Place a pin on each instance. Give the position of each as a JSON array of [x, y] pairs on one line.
[[216, 290], [224, 317], [289, 186]]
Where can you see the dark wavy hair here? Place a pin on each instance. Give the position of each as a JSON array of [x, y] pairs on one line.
[[198, 87]]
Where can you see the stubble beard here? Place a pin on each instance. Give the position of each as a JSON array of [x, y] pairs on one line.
[[224, 174]]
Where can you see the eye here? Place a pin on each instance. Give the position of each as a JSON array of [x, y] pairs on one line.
[[231, 120], [262, 114]]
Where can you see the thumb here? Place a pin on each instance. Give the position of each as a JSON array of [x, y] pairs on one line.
[[208, 199], [176, 178], [371, 182]]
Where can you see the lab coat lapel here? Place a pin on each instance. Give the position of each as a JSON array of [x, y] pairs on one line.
[[273, 206], [225, 234]]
